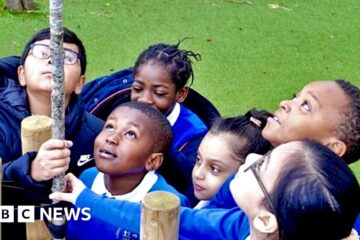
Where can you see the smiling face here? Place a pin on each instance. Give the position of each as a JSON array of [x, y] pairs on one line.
[[215, 162], [153, 85], [313, 114], [125, 144], [246, 189], [36, 74]]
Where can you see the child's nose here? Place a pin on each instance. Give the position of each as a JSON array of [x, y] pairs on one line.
[[112, 138], [146, 98], [285, 105], [199, 173]]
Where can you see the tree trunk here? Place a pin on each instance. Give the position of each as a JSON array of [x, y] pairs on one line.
[[20, 5]]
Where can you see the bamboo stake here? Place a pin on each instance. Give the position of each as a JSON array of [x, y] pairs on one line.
[[35, 130], [159, 216]]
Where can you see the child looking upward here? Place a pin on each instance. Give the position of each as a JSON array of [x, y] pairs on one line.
[[312, 114], [161, 74], [224, 148], [29, 93], [127, 152], [294, 192]]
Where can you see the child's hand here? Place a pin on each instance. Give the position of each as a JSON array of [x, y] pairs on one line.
[[74, 186], [51, 160]]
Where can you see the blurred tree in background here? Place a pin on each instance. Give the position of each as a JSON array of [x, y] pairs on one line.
[[20, 5]]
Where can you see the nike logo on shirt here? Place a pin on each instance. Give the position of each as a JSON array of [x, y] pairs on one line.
[[84, 159]]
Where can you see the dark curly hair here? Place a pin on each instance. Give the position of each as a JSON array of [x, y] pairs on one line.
[[161, 130], [349, 128]]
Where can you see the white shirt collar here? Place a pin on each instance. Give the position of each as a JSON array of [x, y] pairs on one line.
[[202, 204], [135, 195], [173, 116]]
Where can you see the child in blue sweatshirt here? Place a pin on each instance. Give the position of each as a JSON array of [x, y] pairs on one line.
[[224, 148], [161, 74], [127, 152]]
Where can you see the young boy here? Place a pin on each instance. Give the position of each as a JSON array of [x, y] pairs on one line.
[[127, 152], [30, 94], [312, 104]]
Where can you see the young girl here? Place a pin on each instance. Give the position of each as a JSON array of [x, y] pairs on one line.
[[294, 192], [161, 74], [224, 148]]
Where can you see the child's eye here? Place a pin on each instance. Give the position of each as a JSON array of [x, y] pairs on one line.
[[215, 170], [130, 134], [44, 54], [108, 126], [160, 94], [306, 106], [198, 160], [136, 88]]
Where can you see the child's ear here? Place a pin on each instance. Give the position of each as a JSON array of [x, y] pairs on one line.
[[80, 84], [181, 94], [154, 161], [337, 146], [265, 222], [21, 75]]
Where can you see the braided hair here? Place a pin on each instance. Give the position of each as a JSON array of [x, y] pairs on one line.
[[176, 61]]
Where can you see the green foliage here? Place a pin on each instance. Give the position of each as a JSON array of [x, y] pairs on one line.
[[254, 52]]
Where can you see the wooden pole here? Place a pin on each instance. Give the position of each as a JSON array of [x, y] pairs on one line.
[[58, 83], [35, 130], [160, 216], [58, 89]]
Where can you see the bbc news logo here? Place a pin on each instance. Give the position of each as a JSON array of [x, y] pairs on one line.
[[27, 214]]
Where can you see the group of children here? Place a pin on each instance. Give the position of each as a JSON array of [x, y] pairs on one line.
[[155, 143]]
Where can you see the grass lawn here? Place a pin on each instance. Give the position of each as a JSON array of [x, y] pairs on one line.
[[254, 52]]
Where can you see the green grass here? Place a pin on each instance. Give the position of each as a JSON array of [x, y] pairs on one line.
[[252, 55]]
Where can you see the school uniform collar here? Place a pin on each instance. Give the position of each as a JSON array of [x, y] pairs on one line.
[[174, 115], [202, 204], [135, 195]]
